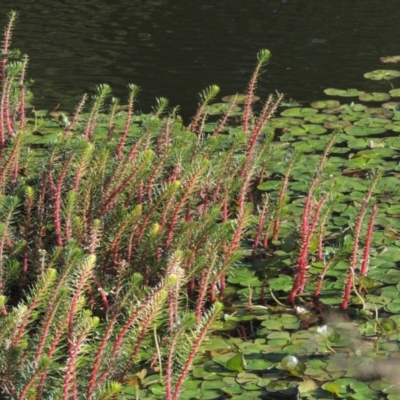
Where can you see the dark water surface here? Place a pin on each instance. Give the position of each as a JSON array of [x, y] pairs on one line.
[[176, 48]]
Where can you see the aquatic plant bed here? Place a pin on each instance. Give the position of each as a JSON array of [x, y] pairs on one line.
[[246, 255]]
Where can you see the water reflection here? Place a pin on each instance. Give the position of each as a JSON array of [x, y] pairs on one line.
[[177, 48]]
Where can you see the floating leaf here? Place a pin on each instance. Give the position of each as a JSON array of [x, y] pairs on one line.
[[307, 129], [395, 92], [382, 74], [374, 96], [332, 388], [388, 325], [236, 363], [285, 122], [337, 124], [364, 131], [308, 385], [298, 112], [391, 105], [343, 93], [325, 104], [390, 59]]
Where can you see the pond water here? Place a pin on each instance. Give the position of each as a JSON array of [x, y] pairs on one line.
[[177, 48]]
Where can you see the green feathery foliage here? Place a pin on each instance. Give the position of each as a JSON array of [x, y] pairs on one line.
[[103, 227]]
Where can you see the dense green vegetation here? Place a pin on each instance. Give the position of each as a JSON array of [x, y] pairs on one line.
[[247, 255]]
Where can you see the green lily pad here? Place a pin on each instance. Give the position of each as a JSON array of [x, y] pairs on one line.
[[393, 307], [364, 131], [298, 112], [374, 96], [395, 126], [388, 325], [285, 122], [337, 124], [391, 105], [395, 92], [307, 129], [325, 104], [235, 363], [372, 122], [382, 74], [343, 93], [320, 118]]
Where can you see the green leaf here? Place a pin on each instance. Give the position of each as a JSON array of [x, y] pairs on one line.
[[236, 363]]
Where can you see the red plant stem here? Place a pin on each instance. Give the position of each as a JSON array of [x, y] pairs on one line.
[[22, 94], [301, 272], [21, 327], [260, 227], [76, 115], [249, 99], [29, 384], [111, 125], [7, 95], [127, 125], [203, 285], [13, 154], [281, 198], [367, 248], [50, 354], [108, 202], [27, 226], [156, 169], [322, 276], [357, 230], [57, 202], [132, 318], [99, 355], [71, 368], [225, 118], [178, 207], [200, 337]]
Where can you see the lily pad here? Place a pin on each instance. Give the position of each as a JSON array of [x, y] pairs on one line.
[[221, 108], [364, 131], [285, 122], [343, 93], [391, 105], [337, 124], [379, 74], [307, 129], [299, 112], [374, 96], [372, 122], [325, 104], [390, 59], [395, 92]]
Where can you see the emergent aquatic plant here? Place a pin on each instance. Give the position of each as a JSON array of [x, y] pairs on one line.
[[127, 241]]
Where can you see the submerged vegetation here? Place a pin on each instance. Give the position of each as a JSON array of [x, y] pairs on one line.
[[248, 255]]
